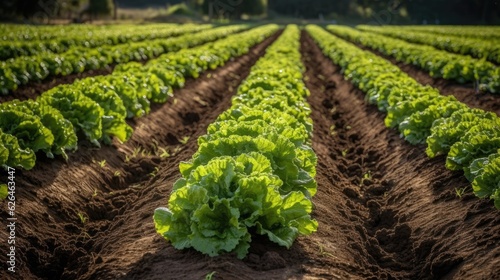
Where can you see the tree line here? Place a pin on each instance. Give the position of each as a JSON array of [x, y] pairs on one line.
[[373, 11]]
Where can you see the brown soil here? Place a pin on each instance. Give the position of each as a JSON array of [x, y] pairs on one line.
[[466, 93], [402, 221]]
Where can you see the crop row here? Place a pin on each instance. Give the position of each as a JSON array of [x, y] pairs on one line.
[[254, 170], [476, 47], [27, 32], [479, 31], [437, 62], [469, 137], [10, 49], [96, 108], [22, 70]]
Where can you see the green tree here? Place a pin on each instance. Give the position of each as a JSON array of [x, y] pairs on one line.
[[100, 7], [233, 8]]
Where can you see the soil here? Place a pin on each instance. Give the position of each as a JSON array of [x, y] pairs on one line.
[[385, 210]]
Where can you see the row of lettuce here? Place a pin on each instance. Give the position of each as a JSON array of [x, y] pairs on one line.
[[470, 138], [21, 70], [96, 108], [93, 39], [473, 46], [490, 32], [254, 170], [31, 32], [439, 64]]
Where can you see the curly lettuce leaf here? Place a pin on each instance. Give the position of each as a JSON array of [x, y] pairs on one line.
[[399, 112], [64, 134], [113, 120], [220, 201], [416, 128], [447, 131], [84, 113], [487, 181], [16, 156], [480, 141], [28, 129]]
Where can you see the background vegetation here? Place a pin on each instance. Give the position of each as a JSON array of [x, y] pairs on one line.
[[342, 11]]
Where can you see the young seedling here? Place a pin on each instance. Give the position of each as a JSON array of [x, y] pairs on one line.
[[210, 275], [101, 163], [152, 174], [145, 153], [177, 149], [323, 252], [460, 192], [366, 176], [82, 217], [184, 140], [117, 173], [332, 130], [164, 153], [344, 152], [136, 152]]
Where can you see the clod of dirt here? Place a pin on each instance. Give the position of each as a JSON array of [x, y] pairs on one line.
[[272, 260]]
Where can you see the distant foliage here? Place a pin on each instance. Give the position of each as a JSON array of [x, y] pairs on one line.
[[100, 7], [232, 8]]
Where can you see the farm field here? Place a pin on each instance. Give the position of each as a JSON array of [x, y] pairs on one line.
[[369, 155]]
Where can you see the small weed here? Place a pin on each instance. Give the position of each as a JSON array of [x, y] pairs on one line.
[[460, 192], [82, 217], [344, 152], [145, 153], [184, 140], [332, 130], [366, 176], [117, 173], [323, 252], [101, 163], [348, 127], [155, 144], [160, 151], [164, 153], [95, 193], [136, 152], [155, 172], [210, 275], [177, 149]]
